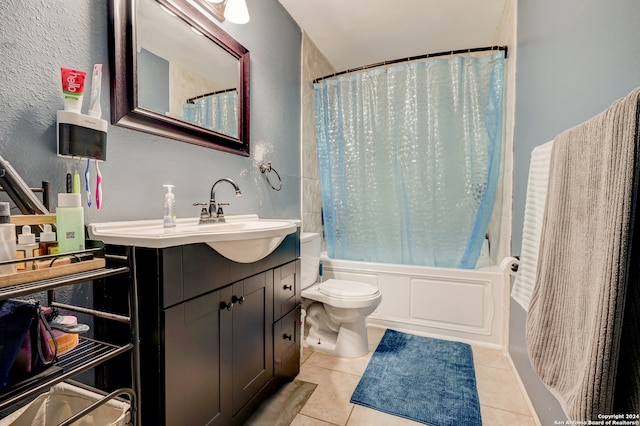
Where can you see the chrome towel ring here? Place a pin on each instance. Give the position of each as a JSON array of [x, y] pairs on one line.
[[267, 169]]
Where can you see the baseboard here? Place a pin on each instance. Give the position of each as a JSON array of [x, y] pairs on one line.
[[523, 390], [412, 327]]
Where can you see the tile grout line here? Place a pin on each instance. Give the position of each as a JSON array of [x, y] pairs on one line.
[[528, 414], [337, 371], [508, 411]]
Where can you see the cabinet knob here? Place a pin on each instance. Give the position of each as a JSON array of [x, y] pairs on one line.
[[287, 336], [227, 306], [288, 287], [239, 300]]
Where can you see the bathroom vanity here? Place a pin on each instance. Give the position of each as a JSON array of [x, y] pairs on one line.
[[216, 336]]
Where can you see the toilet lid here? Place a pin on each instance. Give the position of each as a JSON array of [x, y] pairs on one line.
[[347, 289]]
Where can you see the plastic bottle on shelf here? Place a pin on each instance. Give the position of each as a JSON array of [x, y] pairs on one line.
[[7, 240], [70, 223], [169, 219], [26, 247], [48, 243]]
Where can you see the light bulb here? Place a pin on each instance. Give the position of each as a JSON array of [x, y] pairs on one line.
[[236, 12]]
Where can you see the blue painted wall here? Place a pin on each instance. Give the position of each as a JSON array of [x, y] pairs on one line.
[[153, 83], [38, 37], [575, 57]]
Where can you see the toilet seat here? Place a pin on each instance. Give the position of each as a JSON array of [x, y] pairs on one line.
[[343, 294], [352, 290]]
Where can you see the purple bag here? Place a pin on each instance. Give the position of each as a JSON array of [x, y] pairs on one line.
[[35, 353], [15, 320], [23, 344]]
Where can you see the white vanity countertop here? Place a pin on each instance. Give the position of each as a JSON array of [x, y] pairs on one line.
[[152, 234]]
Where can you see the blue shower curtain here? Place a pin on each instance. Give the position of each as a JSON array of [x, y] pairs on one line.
[[409, 157], [217, 112]]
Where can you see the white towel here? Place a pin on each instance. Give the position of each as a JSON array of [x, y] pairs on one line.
[[532, 227]]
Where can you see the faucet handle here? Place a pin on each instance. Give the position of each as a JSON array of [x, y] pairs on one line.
[[220, 213], [204, 214]]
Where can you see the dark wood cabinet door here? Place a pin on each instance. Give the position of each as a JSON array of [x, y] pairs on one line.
[[252, 337], [197, 361]]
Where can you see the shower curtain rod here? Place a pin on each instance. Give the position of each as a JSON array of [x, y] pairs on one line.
[[195, 98], [415, 58]]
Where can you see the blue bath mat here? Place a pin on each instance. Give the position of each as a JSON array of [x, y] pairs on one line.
[[426, 380]]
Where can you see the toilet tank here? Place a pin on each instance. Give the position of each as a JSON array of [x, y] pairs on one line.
[[310, 244]]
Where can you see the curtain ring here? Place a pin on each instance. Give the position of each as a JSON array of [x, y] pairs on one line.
[[266, 169]]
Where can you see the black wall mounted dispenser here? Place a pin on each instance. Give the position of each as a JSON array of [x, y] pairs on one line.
[[81, 135]]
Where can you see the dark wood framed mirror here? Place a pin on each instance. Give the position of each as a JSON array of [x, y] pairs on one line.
[[175, 73]]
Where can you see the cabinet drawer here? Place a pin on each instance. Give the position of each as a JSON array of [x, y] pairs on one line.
[[286, 347], [286, 291]]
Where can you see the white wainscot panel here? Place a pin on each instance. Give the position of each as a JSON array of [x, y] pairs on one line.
[[463, 305], [396, 293]]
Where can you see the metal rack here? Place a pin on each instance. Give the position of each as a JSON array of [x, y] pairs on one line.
[[89, 353]]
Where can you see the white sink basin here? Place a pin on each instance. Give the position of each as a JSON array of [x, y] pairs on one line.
[[242, 238]]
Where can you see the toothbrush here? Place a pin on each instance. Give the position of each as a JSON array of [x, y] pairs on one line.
[[69, 182], [76, 177], [87, 178], [98, 187], [94, 101]]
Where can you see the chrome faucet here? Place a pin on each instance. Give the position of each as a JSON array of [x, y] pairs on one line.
[[215, 214]]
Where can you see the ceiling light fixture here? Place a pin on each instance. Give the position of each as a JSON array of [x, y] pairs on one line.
[[236, 12], [215, 1]]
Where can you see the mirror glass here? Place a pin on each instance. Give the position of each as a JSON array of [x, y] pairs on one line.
[[185, 77]]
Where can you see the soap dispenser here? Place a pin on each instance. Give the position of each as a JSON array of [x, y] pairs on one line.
[[26, 247], [169, 219]]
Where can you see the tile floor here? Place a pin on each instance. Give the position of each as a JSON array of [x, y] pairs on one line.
[[501, 400]]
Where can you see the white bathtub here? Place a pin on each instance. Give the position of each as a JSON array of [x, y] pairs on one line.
[[461, 304]]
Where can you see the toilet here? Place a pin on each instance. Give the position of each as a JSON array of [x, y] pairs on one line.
[[336, 310]]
